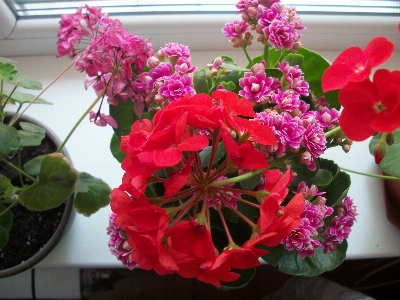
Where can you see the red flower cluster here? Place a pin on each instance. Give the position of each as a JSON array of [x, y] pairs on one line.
[[368, 106], [172, 232]]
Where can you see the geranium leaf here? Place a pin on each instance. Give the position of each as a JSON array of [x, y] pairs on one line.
[[9, 139], [251, 182], [25, 81], [7, 71], [201, 81], [116, 149], [56, 182], [32, 167], [4, 237], [246, 275], [289, 262], [24, 98], [7, 60], [91, 194], [31, 134], [390, 163]]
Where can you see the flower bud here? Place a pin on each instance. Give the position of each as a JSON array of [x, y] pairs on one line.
[[390, 138]]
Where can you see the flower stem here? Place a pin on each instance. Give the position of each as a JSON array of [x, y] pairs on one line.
[[9, 207], [247, 55], [333, 131], [370, 174], [238, 178]]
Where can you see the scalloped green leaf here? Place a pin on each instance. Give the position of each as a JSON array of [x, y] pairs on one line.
[[9, 139], [32, 167], [24, 98], [91, 194], [31, 134], [289, 262], [25, 81], [7, 71], [390, 163], [56, 182]]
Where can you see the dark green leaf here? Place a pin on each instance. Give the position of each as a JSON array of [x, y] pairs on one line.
[[246, 275], [9, 139], [322, 177], [31, 134], [337, 189], [234, 67], [91, 194], [229, 86], [6, 219], [294, 59], [202, 81], [56, 182], [124, 115], [7, 189], [4, 237], [390, 163], [206, 153], [251, 183], [116, 149], [289, 261], [32, 167], [313, 67], [7, 71]]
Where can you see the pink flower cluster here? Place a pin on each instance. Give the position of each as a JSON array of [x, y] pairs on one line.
[[312, 233], [274, 22]]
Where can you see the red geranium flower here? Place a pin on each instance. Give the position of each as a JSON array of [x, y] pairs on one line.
[[355, 64], [370, 107]]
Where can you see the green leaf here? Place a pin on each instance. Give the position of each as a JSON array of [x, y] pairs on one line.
[[56, 182], [205, 154], [251, 183], [32, 167], [9, 139], [234, 67], [6, 219], [390, 163], [202, 81], [4, 237], [116, 149], [25, 81], [246, 275], [7, 189], [31, 134], [91, 194], [24, 98], [337, 189], [289, 262], [229, 86], [124, 115], [322, 177], [7, 60], [7, 71], [313, 67], [294, 59]]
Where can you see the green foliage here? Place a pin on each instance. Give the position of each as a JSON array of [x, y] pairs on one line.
[[116, 149], [206, 153], [56, 182], [30, 135], [124, 115], [24, 98], [7, 71], [390, 163], [9, 139], [91, 194], [289, 262]]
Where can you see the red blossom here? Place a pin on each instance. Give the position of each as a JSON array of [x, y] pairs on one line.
[[370, 107], [355, 64]]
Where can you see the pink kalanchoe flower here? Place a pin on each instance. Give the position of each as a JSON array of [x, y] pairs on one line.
[[257, 86], [289, 132], [327, 116], [184, 67], [314, 140], [235, 30], [176, 51], [355, 64], [176, 87], [308, 192], [286, 101], [293, 78]]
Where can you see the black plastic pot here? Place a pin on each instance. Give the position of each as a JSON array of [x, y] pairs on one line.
[[67, 214]]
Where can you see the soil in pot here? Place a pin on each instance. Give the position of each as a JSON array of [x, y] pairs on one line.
[[31, 230]]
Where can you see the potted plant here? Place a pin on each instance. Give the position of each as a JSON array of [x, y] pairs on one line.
[[223, 164], [39, 187]]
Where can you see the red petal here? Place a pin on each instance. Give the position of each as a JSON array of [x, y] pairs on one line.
[[167, 158], [296, 206], [235, 105], [194, 143], [378, 51], [336, 77], [177, 181], [355, 121], [119, 201]]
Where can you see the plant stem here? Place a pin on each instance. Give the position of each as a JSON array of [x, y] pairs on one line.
[[238, 178], [247, 55], [18, 169], [370, 174], [9, 207], [333, 131], [45, 89]]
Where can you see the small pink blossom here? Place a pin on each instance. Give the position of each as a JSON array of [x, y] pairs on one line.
[[102, 119]]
